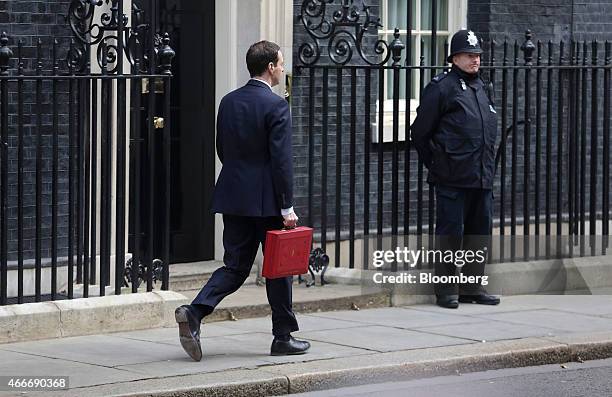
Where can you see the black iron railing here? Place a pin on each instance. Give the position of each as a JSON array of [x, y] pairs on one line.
[[64, 147], [366, 185]]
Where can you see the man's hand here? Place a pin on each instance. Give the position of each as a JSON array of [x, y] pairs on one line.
[[290, 220]]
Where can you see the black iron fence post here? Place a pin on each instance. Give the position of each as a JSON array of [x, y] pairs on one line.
[[594, 147], [583, 147], [538, 149], [396, 47], [135, 179], [606, 145], [366, 168], [514, 155], [560, 117], [407, 139], [20, 178], [121, 156], [352, 178], [151, 158], [166, 54], [338, 168], [5, 57], [72, 131], [528, 48], [504, 140], [420, 166], [54, 177], [39, 172], [572, 175], [549, 93], [105, 202]]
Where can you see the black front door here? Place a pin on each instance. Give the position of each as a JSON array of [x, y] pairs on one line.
[[191, 25]]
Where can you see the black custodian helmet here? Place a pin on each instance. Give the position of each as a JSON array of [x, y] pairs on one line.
[[464, 41]]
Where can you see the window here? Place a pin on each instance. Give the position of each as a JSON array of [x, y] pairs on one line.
[[451, 16]]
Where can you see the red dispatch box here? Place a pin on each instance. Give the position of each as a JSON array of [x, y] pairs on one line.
[[287, 252]]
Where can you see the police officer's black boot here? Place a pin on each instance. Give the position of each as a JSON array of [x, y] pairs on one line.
[[482, 298], [447, 301], [447, 294]]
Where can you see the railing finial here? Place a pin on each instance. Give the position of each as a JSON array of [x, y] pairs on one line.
[[5, 54], [166, 54], [528, 48], [396, 48]]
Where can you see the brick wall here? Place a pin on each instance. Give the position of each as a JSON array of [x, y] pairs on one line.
[[591, 20], [552, 19]]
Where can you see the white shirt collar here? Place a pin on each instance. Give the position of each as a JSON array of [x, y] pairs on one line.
[[263, 81]]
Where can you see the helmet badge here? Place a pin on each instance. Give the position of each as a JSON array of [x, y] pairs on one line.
[[472, 39]]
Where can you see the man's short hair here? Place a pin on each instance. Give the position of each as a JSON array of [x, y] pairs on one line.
[[260, 55]]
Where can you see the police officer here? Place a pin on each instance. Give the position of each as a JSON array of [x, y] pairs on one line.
[[454, 133]]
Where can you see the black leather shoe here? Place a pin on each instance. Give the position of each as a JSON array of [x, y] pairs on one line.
[[481, 299], [189, 331], [288, 347], [447, 301]]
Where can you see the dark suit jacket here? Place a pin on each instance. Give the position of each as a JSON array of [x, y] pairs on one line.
[[254, 145]]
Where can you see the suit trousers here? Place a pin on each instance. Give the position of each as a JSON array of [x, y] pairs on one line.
[[463, 223], [242, 236]]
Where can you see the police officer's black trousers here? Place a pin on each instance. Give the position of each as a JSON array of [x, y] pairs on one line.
[[241, 238], [463, 223]]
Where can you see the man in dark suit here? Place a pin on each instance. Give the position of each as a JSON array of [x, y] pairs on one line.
[[254, 193]]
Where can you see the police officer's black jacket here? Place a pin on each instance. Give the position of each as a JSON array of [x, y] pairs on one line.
[[455, 131]]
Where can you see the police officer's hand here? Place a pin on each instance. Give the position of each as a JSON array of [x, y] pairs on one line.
[[290, 220]]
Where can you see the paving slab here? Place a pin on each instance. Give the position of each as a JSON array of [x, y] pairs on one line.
[[219, 354], [80, 374], [169, 335], [581, 304], [392, 317], [382, 338], [508, 305], [560, 321], [597, 305], [490, 331], [104, 350], [306, 322]]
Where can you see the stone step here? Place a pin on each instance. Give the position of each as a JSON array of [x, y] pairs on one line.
[[251, 301], [192, 276]]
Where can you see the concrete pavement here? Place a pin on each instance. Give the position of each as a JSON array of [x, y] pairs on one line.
[[349, 348]]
